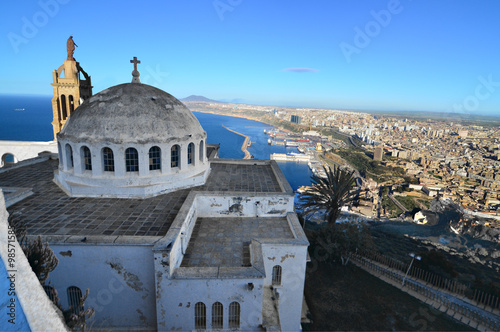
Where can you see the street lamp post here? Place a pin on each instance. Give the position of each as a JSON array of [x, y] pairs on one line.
[[413, 257]]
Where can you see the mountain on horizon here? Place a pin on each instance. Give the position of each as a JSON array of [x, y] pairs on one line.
[[200, 99]]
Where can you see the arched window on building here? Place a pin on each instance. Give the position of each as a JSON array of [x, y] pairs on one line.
[[49, 290], [174, 156], [202, 150], [200, 316], [131, 160], [74, 297], [234, 315], [108, 160], [59, 114], [63, 107], [69, 156], [277, 275], [71, 104], [87, 158], [217, 315], [190, 153], [154, 158]]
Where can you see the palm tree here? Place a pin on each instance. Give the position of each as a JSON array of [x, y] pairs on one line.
[[329, 194]]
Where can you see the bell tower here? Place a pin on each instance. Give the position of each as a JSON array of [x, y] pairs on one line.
[[70, 88]]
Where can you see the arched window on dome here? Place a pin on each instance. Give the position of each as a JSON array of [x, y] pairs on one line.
[[154, 158], [63, 107], [174, 156], [234, 315], [202, 150], [108, 160], [190, 153], [86, 158], [131, 160], [69, 156], [71, 104]]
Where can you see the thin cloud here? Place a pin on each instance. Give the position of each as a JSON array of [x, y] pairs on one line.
[[300, 70]]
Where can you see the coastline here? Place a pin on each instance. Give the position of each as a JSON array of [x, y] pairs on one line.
[[241, 116], [245, 143]]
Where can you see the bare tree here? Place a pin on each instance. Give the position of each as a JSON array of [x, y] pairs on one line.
[[41, 258]]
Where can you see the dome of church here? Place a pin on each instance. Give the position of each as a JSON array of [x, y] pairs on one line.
[[131, 141], [129, 113]]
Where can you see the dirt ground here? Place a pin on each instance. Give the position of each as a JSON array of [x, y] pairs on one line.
[[346, 298]]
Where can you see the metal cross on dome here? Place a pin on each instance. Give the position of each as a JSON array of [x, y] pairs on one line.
[[135, 72]]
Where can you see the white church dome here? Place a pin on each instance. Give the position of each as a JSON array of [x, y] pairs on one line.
[[129, 113], [131, 140]]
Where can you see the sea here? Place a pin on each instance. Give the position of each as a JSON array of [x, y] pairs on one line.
[[29, 118]]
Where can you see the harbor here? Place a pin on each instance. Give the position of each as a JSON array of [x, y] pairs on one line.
[[309, 146], [246, 143]]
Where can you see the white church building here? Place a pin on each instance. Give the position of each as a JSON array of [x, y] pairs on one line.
[[165, 235]]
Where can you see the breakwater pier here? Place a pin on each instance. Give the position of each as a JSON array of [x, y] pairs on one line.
[[245, 143]]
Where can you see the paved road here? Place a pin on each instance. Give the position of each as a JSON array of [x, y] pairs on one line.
[[431, 289], [401, 206]]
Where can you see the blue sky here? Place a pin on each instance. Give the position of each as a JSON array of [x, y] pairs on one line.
[[422, 55]]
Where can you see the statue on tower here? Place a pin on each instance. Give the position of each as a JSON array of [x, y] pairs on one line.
[[70, 46]]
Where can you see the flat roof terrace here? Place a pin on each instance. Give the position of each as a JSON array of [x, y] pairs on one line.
[[224, 242], [49, 211]]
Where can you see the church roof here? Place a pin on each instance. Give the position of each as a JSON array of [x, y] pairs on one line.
[[132, 113], [50, 212]]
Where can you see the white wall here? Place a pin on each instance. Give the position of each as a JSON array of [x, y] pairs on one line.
[[233, 205], [176, 305], [25, 150], [38, 309], [179, 288], [77, 182], [292, 260], [120, 279]]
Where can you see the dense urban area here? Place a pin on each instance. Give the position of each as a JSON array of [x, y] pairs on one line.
[[402, 162]]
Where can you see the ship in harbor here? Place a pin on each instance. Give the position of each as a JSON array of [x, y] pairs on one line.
[[303, 189], [298, 157]]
